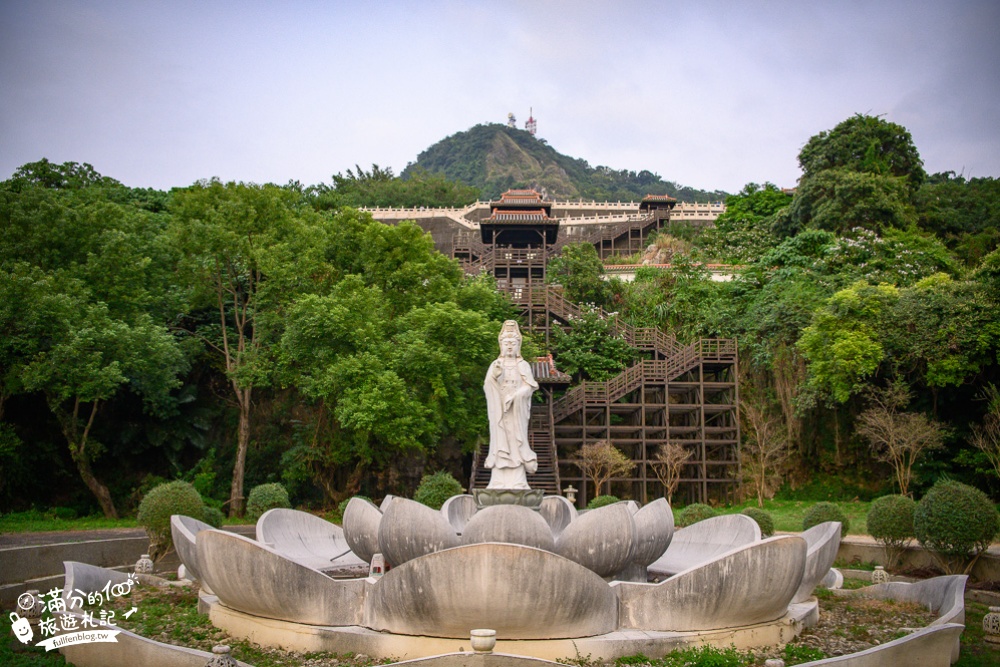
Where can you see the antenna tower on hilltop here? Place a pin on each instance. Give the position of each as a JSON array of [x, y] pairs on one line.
[[531, 125]]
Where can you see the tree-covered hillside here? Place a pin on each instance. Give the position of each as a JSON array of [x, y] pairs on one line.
[[238, 334], [495, 158]]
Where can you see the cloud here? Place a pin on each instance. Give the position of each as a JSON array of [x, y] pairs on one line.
[[712, 95]]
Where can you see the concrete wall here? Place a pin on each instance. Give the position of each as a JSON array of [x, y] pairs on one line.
[[41, 566], [856, 549]]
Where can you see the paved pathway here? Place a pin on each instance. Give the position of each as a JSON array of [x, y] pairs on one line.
[[9, 540]]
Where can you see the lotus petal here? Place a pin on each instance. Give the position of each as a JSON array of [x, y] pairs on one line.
[[705, 540], [410, 530], [184, 531], [824, 542], [253, 578], [558, 512], [654, 526], [511, 524], [750, 584], [305, 538], [361, 523], [602, 540], [458, 510], [520, 592]]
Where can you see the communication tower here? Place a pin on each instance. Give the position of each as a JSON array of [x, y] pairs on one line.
[[531, 125], [511, 121]]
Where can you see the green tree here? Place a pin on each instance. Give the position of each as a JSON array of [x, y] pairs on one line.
[[867, 144], [842, 345], [862, 173], [590, 349], [839, 200], [246, 249], [744, 232], [90, 358], [379, 187], [580, 271]]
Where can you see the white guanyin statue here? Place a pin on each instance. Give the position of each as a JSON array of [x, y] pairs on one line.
[[508, 386]]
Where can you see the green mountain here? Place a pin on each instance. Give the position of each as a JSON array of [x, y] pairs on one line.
[[496, 158]]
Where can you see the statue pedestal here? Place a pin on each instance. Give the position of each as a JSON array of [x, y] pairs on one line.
[[531, 498]]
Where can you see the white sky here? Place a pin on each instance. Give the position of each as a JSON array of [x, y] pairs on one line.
[[707, 94]]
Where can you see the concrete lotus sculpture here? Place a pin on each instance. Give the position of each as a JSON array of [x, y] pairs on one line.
[[253, 578], [750, 584], [184, 531], [824, 541], [361, 521], [607, 540], [306, 539], [705, 540], [519, 591]]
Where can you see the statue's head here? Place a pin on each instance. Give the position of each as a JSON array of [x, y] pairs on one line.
[[510, 339]]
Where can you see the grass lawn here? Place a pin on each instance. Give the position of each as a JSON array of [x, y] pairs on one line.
[[788, 514], [34, 521]]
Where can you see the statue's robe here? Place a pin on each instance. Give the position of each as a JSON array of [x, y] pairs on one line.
[[510, 456]]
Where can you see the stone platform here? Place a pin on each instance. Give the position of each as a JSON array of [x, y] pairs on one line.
[[305, 638]]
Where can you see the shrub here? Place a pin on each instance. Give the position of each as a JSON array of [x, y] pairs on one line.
[[64, 513], [763, 520], [213, 516], [955, 522], [265, 497], [159, 504], [822, 512], [890, 522], [694, 513], [601, 501], [437, 488]]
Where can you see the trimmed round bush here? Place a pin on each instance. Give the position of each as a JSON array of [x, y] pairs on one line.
[[266, 497], [890, 522], [159, 504], [823, 512], [890, 519], [955, 521], [213, 516], [694, 513], [763, 520], [601, 501], [437, 488]]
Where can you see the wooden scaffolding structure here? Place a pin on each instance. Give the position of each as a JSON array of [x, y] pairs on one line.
[[686, 395]]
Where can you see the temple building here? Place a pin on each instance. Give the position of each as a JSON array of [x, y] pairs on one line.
[[683, 393]]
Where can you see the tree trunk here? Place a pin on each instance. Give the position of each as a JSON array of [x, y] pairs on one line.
[[77, 442], [95, 486], [242, 444]]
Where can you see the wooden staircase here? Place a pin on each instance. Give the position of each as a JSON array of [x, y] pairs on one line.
[[648, 371]]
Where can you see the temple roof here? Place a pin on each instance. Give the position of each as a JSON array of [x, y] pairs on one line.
[[545, 371]]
